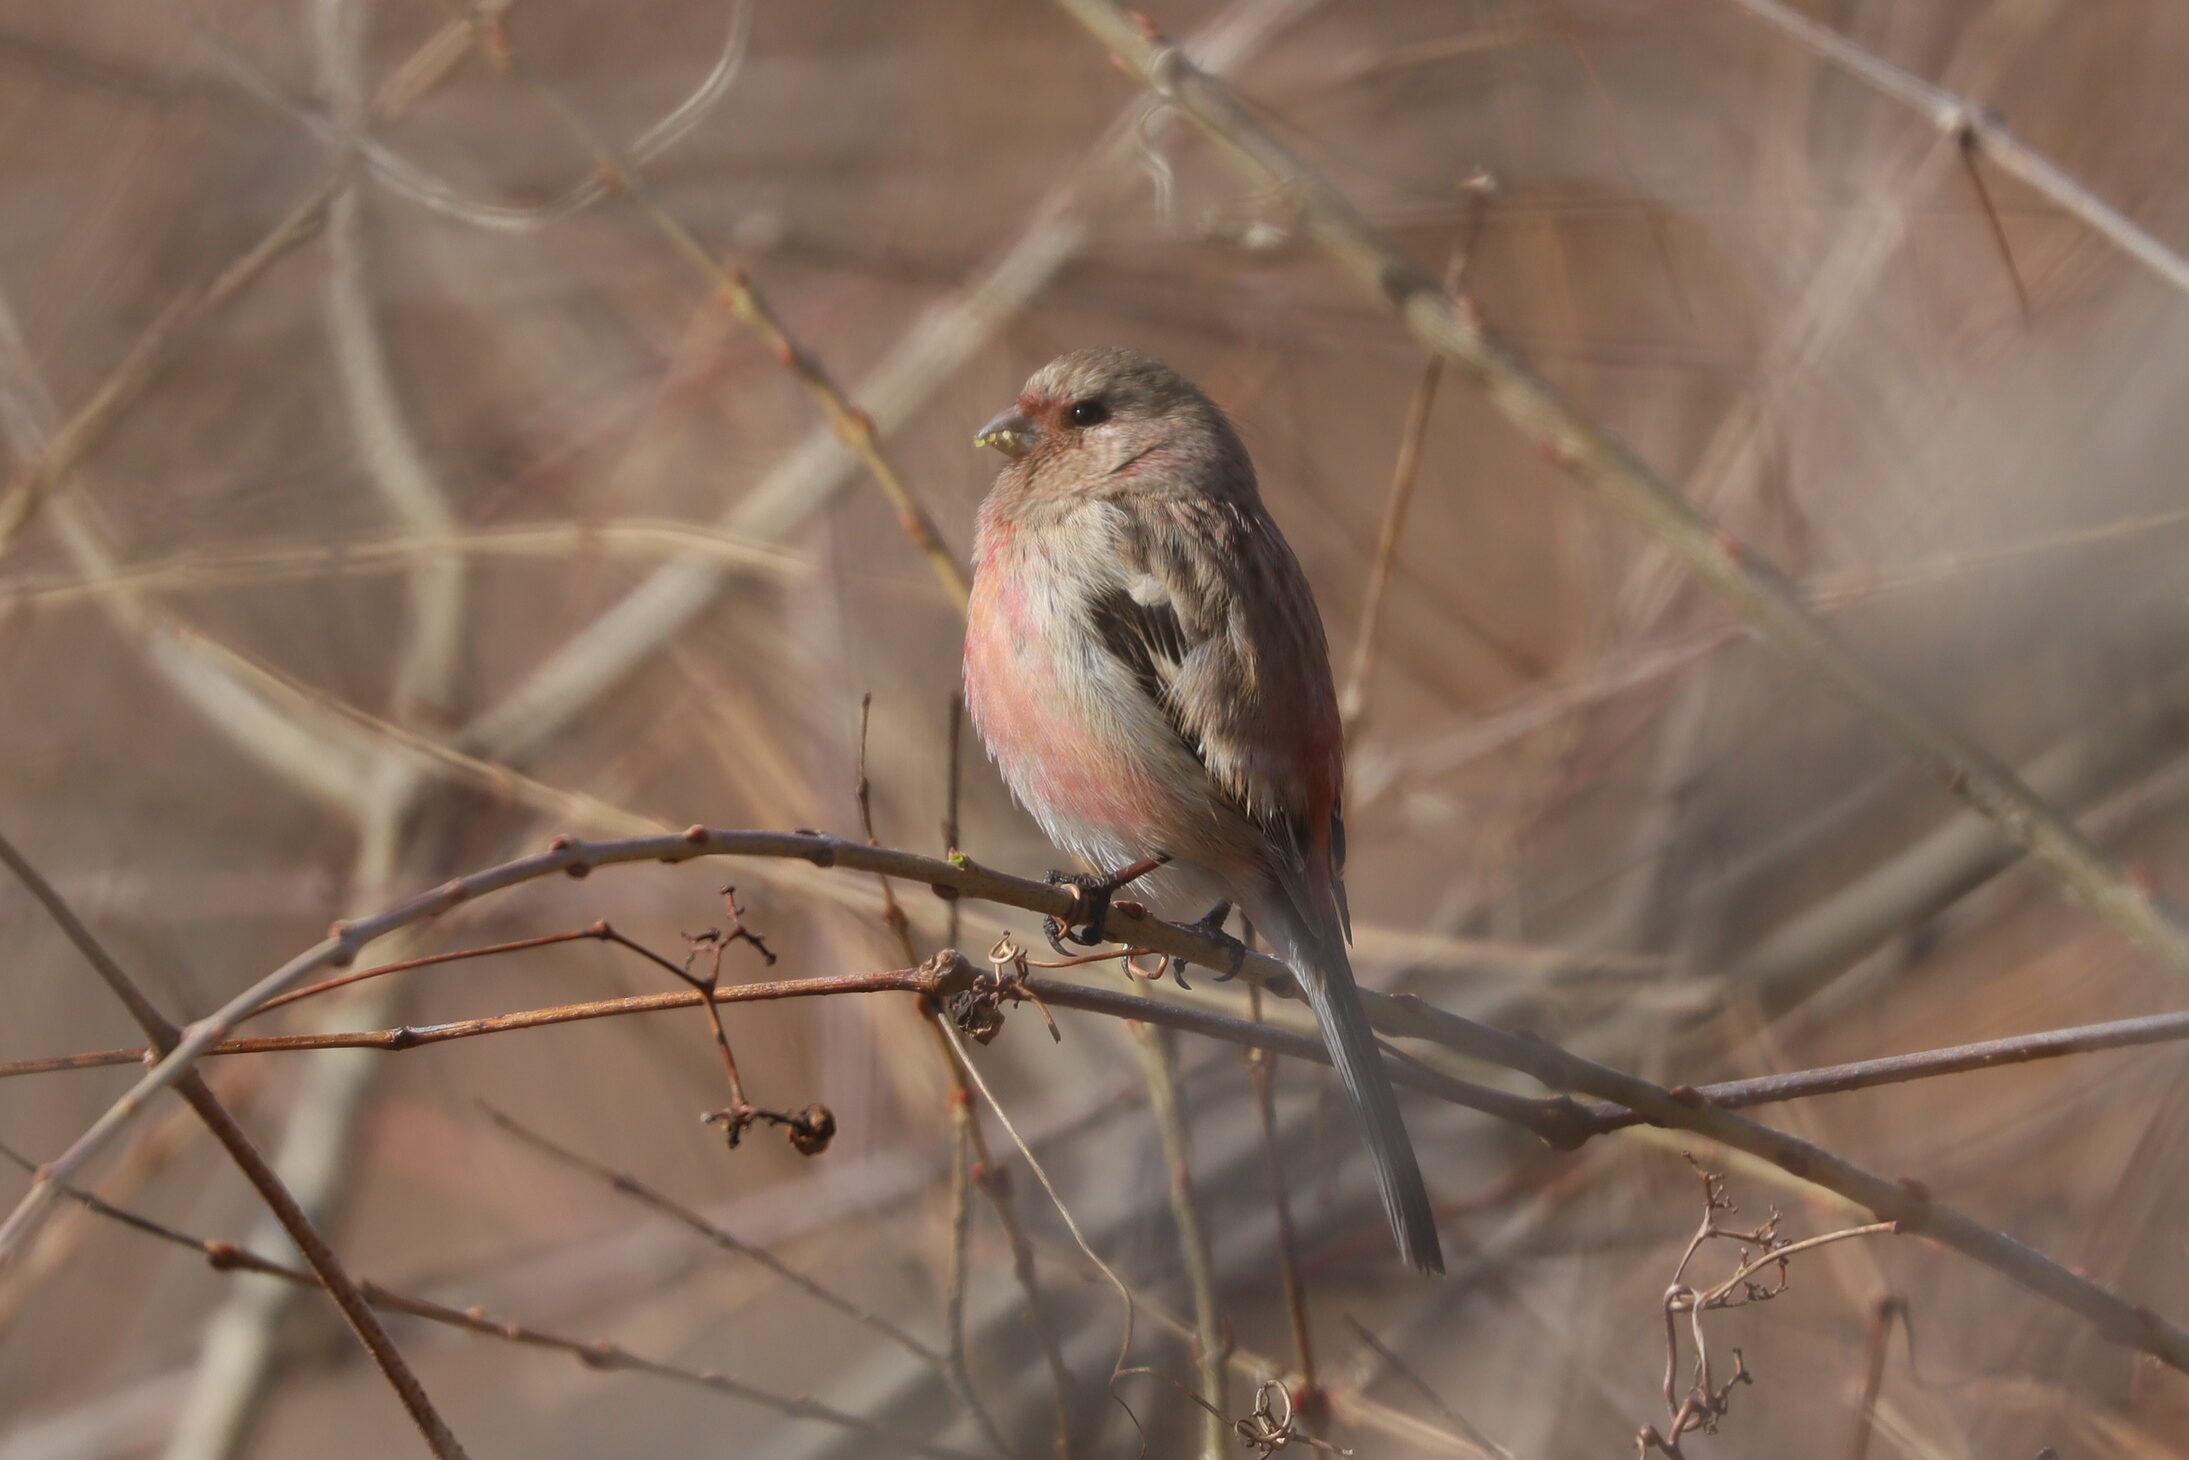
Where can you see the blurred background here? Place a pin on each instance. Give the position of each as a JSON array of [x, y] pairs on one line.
[[387, 491]]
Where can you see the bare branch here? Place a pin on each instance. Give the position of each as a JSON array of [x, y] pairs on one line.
[[1974, 126], [1905, 1202], [1769, 606], [192, 1087], [593, 1354]]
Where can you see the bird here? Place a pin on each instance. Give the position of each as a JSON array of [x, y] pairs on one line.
[[1145, 664]]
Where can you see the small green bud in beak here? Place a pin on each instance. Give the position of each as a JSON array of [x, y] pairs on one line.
[[1010, 433]]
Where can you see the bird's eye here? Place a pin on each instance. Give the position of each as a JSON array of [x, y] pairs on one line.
[[1088, 413]]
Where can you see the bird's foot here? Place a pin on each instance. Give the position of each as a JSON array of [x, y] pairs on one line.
[[1092, 896], [1211, 926]]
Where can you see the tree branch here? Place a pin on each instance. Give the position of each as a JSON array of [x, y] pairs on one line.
[[1756, 591]]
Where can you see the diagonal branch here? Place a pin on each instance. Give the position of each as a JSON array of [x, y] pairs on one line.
[[192, 1087], [852, 424], [598, 1355], [1757, 592], [1978, 130]]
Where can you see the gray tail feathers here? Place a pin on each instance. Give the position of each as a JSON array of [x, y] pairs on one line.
[[1326, 976]]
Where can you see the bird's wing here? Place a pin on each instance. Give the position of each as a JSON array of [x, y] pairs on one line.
[[1213, 617]]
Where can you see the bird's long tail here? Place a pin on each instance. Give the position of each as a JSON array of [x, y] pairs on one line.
[[1325, 974]]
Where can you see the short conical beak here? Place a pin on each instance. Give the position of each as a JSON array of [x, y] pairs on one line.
[[1010, 433]]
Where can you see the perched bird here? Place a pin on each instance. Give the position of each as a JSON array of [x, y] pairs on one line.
[[1145, 664]]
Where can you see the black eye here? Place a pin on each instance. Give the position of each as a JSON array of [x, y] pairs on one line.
[[1088, 413]]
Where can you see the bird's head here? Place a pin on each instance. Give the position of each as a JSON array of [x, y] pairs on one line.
[[1107, 419]]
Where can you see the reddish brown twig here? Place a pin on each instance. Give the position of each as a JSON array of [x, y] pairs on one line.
[[1353, 699], [1907, 1203], [599, 931], [810, 1130]]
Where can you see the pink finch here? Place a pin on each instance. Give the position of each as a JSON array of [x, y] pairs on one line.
[[1145, 663]]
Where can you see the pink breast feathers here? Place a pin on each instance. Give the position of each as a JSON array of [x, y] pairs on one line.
[[1037, 725]]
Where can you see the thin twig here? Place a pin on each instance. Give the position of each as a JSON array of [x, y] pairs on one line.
[[1262, 1072], [953, 788], [598, 1355], [1907, 1203], [1421, 1386], [893, 913], [1927, 1064], [628, 1185], [1873, 1373], [1041, 1174], [1991, 217], [1770, 607], [1957, 117], [192, 1087], [1161, 1073], [634, 537], [1353, 699], [151, 352], [852, 424], [959, 1274], [598, 932], [994, 1183], [579, 673]]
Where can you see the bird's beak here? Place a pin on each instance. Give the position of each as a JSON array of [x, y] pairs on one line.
[[1010, 433]]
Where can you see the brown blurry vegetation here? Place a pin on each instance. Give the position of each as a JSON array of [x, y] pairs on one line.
[[430, 431]]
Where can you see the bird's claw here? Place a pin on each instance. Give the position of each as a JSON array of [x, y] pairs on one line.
[[1211, 926], [1094, 896], [1093, 893]]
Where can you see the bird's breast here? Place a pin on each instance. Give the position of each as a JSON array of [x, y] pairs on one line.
[[1065, 732]]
